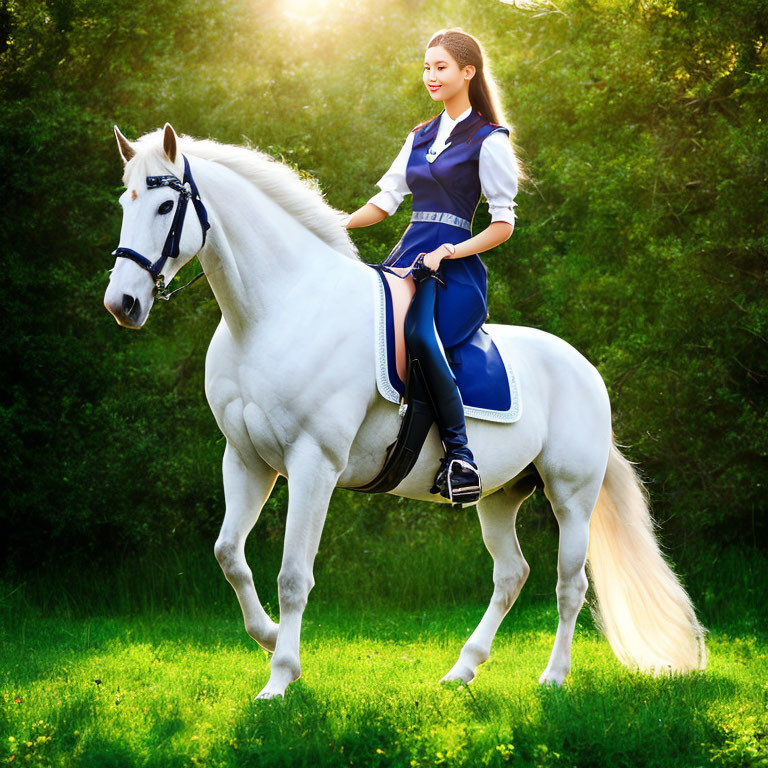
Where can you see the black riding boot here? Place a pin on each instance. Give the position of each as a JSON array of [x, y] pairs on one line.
[[458, 478]]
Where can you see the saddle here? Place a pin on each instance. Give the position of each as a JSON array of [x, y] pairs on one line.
[[485, 379]]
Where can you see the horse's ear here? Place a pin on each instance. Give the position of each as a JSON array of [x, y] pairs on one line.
[[169, 142], [124, 146]]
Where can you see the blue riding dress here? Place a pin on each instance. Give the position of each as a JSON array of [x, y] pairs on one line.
[[446, 193], [446, 190]]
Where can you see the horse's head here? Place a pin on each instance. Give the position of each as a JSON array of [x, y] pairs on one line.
[[160, 231]]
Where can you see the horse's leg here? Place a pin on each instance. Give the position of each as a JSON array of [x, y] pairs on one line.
[[246, 489], [573, 506], [311, 481], [498, 516]]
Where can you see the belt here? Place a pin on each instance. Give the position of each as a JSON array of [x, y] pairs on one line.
[[442, 218]]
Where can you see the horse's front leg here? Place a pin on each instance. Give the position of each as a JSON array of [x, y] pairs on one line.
[[246, 489], [311, 480]]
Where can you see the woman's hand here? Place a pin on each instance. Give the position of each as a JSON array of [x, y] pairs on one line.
[[433, 258]]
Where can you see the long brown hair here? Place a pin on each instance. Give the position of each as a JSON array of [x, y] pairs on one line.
[[483, 93]]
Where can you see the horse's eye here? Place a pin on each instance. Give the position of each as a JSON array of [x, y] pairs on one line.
[[166, 207]]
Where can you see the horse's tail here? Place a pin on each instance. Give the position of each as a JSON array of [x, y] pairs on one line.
[[643, 610]]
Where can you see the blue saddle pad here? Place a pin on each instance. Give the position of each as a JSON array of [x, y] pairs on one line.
[[486, 381]]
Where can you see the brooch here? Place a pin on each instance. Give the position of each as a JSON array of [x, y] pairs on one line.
[[432, 155]]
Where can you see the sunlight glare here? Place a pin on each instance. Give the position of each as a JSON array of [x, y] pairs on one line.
[[307, 11]]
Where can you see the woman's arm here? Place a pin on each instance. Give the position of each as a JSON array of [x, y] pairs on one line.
[[365, 216], [496, 232]]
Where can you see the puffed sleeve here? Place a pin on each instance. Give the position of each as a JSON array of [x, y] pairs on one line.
[[498, 176], [392, 184]]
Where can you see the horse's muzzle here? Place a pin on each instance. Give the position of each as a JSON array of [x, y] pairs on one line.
[[126, 309]]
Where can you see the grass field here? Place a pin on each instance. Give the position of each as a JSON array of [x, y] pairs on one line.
[[170, 689], [143, 661]]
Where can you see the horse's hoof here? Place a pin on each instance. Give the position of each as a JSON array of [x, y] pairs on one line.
[[270, 694], [459, 674], [552, 679]]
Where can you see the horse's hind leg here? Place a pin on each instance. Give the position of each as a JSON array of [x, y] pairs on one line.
[[573, 505], [246, 489], [498, 517]]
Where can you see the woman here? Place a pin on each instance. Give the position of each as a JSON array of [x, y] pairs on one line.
[[446, 163]]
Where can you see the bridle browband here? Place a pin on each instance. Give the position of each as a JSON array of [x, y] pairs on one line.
[[187, 190]]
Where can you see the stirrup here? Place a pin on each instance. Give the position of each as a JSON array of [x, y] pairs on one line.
[[464, 494]]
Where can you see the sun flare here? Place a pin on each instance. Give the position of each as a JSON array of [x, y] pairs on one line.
[[306, 11]]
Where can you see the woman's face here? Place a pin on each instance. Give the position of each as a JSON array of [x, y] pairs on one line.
[[442, 75]]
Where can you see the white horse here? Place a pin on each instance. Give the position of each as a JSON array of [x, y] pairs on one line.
[[291, 382]]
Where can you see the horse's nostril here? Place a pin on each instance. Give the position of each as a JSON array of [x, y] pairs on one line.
[[131, 305]]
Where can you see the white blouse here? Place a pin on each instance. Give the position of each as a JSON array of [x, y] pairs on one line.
[[497, 170]]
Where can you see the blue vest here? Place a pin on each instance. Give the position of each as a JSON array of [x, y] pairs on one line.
[[446, 193]]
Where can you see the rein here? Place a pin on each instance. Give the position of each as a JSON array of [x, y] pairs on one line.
[[187, 190]]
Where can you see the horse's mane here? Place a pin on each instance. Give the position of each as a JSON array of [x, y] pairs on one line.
[[301, 198]]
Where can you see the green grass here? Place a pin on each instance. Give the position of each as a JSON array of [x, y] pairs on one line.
[[169, 689]]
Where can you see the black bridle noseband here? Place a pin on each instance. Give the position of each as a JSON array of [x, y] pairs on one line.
[[187, 190]]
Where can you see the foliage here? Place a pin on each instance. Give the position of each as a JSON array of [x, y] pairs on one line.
[[641, 238]]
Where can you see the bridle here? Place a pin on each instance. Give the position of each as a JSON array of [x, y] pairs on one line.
[[187, 190]]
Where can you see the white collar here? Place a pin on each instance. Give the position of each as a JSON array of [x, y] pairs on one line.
[[450, 121], [444, 131]]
